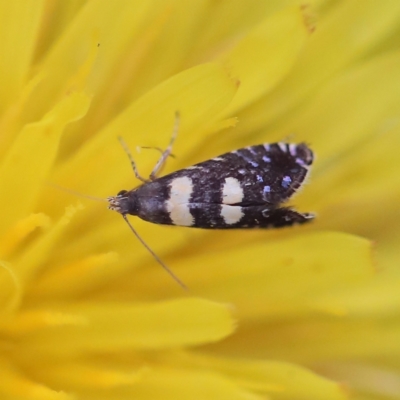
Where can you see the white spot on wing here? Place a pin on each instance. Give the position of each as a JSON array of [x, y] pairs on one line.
[[252, 150], [282, 146], [301, 162], [286, 181], [232, 192], [178, 203], [231, 214]]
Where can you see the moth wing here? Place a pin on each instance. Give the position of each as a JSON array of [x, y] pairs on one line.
[[220, 216], [256, 175]]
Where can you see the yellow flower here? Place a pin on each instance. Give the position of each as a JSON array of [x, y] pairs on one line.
[[304, 313]]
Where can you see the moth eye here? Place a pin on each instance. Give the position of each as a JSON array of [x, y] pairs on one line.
[[122, 192]]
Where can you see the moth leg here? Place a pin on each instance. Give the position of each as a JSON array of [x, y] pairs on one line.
[[133, 164], [167, 152], [155, 148]]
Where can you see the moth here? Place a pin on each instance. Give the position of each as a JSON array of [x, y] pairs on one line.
[[241, 189]]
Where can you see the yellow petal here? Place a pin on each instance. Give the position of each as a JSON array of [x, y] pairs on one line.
[[14, 385], [279, 379], [181, 384], [14, 236], [368, 380], [378, 297], [118, 326], [93, 377], [33, 259], [272, 47], [271, 278], [373, 90], [115, 28], [76, 278], [348, 32], [11, 289], [19, 24], [32, 156], [306, 340]]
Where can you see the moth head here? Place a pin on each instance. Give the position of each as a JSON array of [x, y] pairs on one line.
[[123, 202]]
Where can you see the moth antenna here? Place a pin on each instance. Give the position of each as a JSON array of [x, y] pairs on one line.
[[75, 193], [180, 283]]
